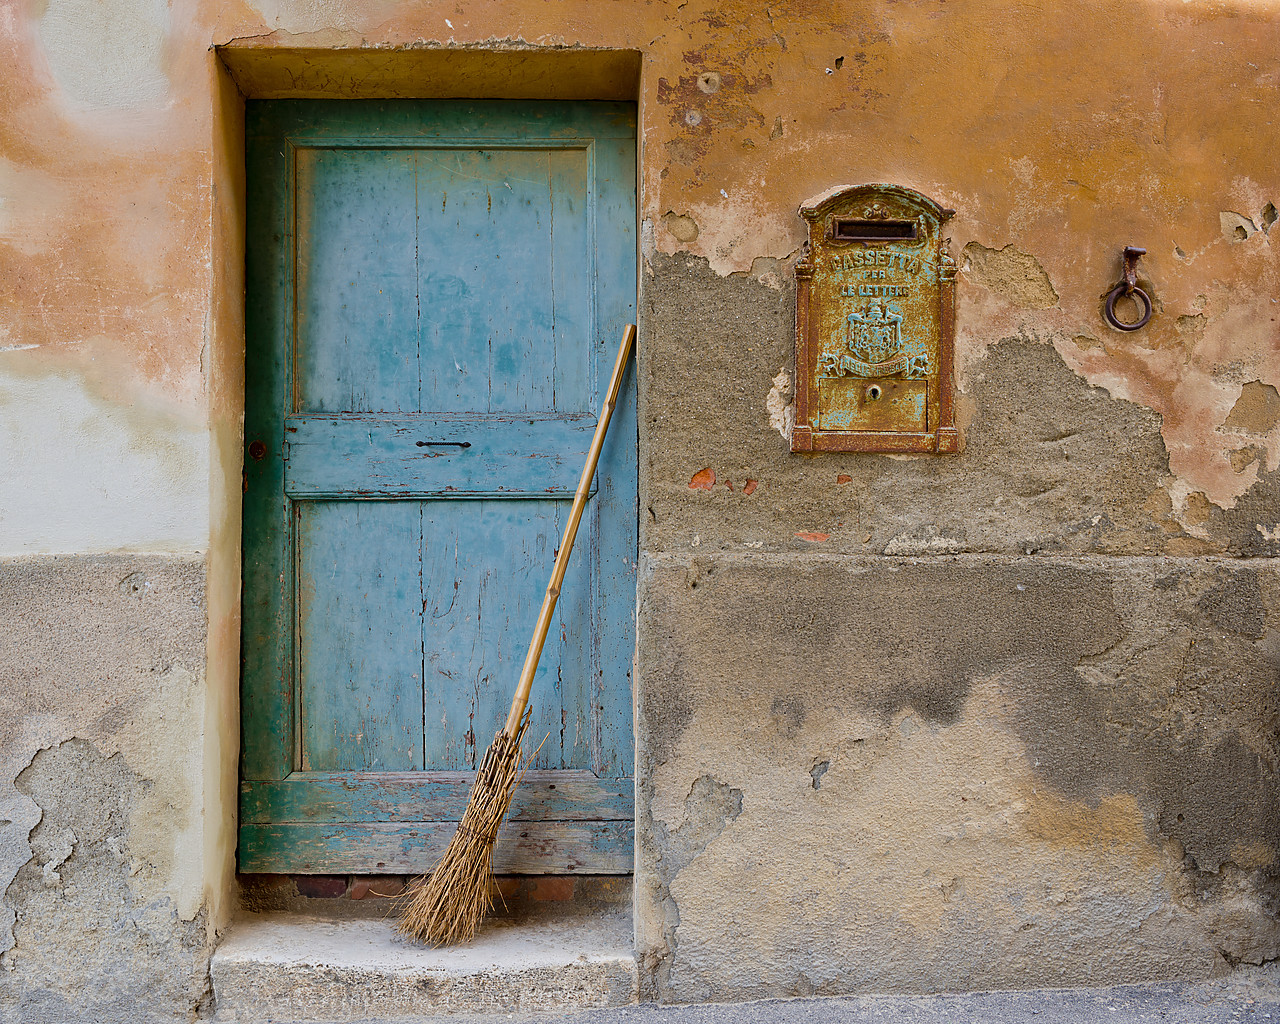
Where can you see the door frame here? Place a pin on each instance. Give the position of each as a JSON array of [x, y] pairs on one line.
[[591, 797]]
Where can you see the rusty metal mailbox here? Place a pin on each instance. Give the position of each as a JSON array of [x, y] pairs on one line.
[[875, 325]]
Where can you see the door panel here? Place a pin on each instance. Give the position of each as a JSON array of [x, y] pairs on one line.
[[434, 291], [490, 308], [356, 347], [359, 635], [490, 320], [491, 560]]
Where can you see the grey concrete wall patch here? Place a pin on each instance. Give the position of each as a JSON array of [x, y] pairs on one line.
[[100, 786]]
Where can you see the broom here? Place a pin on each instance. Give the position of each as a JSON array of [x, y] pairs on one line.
[[446, 907]]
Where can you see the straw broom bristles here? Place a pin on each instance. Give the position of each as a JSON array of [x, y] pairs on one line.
[[447, 906]]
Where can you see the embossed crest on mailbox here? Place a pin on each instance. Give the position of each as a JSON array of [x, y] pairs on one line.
[[875, 325]]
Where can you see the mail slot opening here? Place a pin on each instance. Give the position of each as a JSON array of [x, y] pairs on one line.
[[873, 230]]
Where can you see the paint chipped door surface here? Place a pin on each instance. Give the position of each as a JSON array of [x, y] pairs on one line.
[[435, 292]]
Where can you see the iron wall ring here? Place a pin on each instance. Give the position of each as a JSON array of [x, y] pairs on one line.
[[1138, 294]]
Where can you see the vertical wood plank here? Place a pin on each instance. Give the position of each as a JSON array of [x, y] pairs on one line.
[[360, 629], [616, 508], [266, 692], [485, 242], [357, 299], [572, 279], [578, 647], [452, 227], [485, 564], [518, 284]]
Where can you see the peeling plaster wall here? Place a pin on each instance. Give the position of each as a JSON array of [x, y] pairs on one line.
[[101, 818], [903, 722], [970, 722], [113, 783]]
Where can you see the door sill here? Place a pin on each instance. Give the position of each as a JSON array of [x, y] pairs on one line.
[[295, 967]]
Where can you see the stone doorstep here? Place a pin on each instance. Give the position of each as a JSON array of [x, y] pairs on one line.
[[303, 968]]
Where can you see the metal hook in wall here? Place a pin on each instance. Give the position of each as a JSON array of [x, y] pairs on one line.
[[1129, 286]]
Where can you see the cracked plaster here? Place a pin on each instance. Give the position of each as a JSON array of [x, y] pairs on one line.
[[101, 778]]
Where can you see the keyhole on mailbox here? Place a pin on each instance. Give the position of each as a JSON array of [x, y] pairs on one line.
[[873, 392]]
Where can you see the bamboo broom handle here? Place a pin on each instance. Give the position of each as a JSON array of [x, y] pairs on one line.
[[521, 699]]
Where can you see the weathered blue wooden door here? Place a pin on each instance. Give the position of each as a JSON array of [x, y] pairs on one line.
[[435, 292]]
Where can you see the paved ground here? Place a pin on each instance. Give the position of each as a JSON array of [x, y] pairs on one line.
[[1248, 995]]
